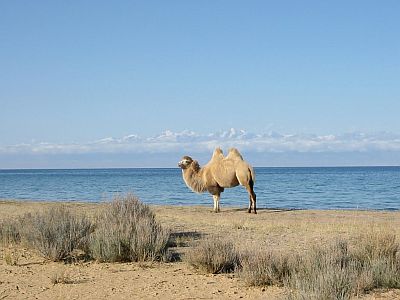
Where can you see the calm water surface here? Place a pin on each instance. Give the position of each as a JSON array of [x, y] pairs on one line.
[[300, 188]]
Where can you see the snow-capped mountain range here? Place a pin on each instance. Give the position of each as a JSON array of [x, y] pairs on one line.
[[190, 141]]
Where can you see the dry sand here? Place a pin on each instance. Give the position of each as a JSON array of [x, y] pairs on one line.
[[32, 277]]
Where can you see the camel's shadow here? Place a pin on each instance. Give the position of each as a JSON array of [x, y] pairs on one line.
[[263, 209], [178, 241], [186, 234], [184, 238]]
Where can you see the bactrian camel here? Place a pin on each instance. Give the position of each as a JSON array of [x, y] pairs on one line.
[[219, 173]]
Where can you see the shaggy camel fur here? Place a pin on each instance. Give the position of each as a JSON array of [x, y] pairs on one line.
[[219, 173]]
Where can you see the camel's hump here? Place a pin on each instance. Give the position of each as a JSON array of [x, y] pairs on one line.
[[218, 154], [234, 154]]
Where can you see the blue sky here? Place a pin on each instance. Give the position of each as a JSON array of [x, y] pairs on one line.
[[308, 82]]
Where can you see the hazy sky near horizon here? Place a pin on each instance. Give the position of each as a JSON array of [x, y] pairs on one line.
[[78, 72]]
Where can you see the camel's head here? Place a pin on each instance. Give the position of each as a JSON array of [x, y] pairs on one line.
[[185, 162]]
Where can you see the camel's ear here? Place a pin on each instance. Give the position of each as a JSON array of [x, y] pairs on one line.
[[195, 165]]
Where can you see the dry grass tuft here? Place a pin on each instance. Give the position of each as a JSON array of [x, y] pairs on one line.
[[9, 232], [214, 255], [241, 224], [323, 273], [378, 253], [11, 256], [336, 271], [376, 245], [61, 277], [126, 230], [265, 268], [57, 232]]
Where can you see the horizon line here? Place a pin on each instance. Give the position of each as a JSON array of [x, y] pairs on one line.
[[265, 167]]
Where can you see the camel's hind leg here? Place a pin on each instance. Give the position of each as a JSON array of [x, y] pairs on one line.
[[247, 181], [252, 196]]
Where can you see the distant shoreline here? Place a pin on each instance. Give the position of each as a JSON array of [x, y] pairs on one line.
[[205, 205]]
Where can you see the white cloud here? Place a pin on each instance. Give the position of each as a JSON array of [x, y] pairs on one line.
[[190, 141]]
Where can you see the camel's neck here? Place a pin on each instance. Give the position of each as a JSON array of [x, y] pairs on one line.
[[193, 179]]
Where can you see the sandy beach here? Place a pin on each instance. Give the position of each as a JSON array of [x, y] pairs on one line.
[[31, 277]]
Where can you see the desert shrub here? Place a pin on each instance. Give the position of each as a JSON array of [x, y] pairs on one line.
[[126, 230], [385, 273], [379, 255], [377, 245], [61, 276], [214, 255], [264, 268], [334, 271], [11, 256], [323, 273], [56, 232], [338, 272], [10, 232]]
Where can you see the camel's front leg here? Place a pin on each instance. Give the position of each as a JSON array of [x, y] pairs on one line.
[[216, 203]]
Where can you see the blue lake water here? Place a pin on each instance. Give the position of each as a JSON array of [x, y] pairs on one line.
[[298, 188]]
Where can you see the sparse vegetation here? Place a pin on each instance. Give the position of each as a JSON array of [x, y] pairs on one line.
[[328, 272], [240, 224], [126, 230], [61, 277], [264, 268], [11, 256], [214, 255], [325, 272], [335, 271], [339, 271], [57, 232], [9, 232]]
